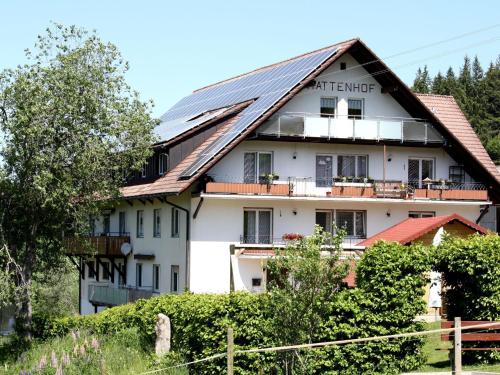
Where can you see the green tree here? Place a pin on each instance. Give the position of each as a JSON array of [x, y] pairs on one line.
[[422, 82], [303, 279], [71, 126], [439, 85]]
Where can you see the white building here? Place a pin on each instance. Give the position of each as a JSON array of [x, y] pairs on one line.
[[329, 136]]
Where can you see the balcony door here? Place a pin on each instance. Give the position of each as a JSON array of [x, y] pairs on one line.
[[257, 226], [418, 170]]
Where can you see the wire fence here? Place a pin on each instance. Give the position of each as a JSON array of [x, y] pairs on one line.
[[183, 368]]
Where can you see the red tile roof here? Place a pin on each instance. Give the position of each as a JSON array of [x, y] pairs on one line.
[[412, 228], [446, 109]]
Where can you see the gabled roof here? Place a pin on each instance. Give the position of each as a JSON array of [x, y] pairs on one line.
[[413, 228], [449, 113], [443, 111]]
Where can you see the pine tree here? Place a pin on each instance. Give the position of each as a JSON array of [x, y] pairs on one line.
[[439, 85], [422, 82]]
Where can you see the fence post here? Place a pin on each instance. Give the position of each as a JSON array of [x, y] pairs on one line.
[[230, 351], [457, 363]]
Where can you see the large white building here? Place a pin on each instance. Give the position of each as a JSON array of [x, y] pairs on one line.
[[331, 136]]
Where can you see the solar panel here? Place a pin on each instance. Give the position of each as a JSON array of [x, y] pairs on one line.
[[169, 129], [267, 87]]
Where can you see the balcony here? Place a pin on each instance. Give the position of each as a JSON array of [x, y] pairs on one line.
[[106, 244], [310, 125], [103, 295], [353, 188], [268, 242]]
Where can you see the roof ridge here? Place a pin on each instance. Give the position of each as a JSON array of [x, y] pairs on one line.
[[438, 95], [275, 64]]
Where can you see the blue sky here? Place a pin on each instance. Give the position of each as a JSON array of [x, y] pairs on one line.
[[176, 47]]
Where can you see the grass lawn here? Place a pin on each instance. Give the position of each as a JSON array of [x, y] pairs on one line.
[[438, 360]]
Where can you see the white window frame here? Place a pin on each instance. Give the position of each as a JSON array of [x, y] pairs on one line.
[[174, 278], [420, 214], [365, 219], [157, 222], [122, 222], [326, 115], [139, 273], [156, 277], [257, 234], [334, 165], [140, 224], [420, 159], [175, 223], [356, 171], [163, 163], [362, 108], [257, 164]]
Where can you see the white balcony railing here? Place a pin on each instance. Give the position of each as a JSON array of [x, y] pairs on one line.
[[341, 127], [112, 296]]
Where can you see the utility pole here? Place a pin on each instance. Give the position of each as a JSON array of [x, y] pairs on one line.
[[230, 351], [457, 363]]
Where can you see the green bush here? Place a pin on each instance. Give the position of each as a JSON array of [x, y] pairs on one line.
[[382, 304], [471, 279]]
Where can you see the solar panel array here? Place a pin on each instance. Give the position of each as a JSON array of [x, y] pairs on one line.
[[167, 130], [266, 86]]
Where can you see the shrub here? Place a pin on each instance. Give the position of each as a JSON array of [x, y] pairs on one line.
[[388, 297], [471, 280]]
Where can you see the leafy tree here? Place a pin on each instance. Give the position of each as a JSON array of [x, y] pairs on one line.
[[303, 279], [439, 85], [71, 126]]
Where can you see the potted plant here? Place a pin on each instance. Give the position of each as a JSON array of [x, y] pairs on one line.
[[292, 237], [268, 178]]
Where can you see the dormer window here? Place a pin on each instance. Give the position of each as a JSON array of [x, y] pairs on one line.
[[162, 164]]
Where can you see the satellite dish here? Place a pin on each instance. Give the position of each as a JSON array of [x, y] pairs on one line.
[[126, 248]]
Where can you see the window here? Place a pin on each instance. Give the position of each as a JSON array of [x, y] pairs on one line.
[[122, 223], [140, 223], [156, 277], [355, 108], [174, 279], [457, 174], [343, 66], [324, 172], [121, 280], [92, 226], [256, 164], [324, 220], [419, 170], [175, 222], [138, 275], [256, 282], [91, 269], [327, 107], [420, 214], [144, 170], [157, 222], [106, 223], [353, 222], [352, 165], [162, 164], [105, 270], [257, 226]]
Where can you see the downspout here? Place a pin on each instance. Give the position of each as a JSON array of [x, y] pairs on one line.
[[186, 281], [483, 212], [82, 265]]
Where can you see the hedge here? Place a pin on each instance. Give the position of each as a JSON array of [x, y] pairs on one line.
[[381, 304]]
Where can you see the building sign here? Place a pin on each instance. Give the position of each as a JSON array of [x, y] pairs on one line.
[[343, 86]]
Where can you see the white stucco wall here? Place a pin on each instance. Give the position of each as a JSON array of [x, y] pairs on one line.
[[210, 245], [167, 250]]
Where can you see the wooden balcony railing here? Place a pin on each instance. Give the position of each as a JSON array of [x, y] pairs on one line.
[[389, 189], [105, 244]]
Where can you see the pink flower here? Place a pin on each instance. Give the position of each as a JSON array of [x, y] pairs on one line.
[[95, 344], [43, 363], [65, 359], [53, 359]]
